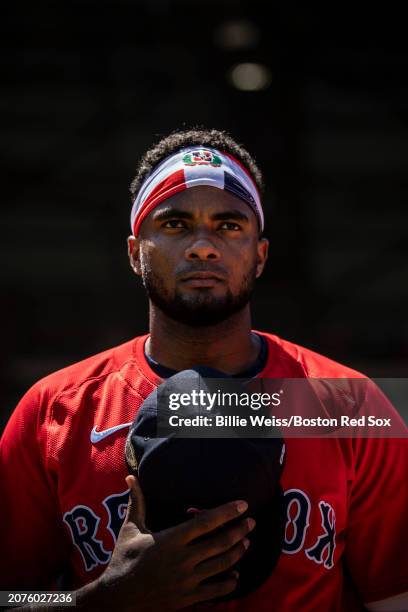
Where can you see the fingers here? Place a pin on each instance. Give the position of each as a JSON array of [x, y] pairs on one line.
[[221, 541], [211, 590], [222, 563], [136, 510], [208, 520]]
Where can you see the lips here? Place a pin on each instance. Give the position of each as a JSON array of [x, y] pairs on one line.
[[202, 279]]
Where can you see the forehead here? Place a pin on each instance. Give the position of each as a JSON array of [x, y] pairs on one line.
[[204, 201]]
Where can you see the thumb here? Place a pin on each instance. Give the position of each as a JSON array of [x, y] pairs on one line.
[[136, 509]]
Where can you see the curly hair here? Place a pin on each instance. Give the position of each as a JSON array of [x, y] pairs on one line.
[[177, 140]]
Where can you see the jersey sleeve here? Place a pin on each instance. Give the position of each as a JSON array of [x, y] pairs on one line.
[[377, 534], [34, 543]]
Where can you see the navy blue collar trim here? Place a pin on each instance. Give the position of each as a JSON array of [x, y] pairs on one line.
[[258, 366]]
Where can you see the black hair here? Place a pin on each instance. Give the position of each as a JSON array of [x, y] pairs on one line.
[[216, 139]]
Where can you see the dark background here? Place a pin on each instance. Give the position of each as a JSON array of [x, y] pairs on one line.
[[88, 85]]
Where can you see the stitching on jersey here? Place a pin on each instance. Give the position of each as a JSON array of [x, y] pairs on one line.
[[43, 459], [129, 384], [290, 359]]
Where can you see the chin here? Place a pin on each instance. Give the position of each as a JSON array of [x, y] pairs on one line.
[[203, 313], [200, 319], [198, 307]]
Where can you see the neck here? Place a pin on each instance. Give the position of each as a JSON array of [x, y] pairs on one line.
[[229, 346]]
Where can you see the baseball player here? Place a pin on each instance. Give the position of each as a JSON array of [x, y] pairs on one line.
[[68, 519]]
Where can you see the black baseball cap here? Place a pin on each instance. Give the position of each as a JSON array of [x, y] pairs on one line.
[[177, 473]]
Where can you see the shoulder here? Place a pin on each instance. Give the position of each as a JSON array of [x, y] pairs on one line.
[[45, 415], [94, 368], [303, 362], [342, 390]]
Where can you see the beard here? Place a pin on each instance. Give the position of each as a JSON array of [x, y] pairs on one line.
[[198, 308]]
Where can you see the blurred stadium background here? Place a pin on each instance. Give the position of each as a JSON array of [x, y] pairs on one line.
[[319, 99]]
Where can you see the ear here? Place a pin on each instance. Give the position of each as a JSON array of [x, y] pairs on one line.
[[263, 246], [134, 254]]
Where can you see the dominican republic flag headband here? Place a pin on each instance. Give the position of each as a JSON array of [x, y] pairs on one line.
[[190, 167]]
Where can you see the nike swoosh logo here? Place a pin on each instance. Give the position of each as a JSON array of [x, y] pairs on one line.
[[97, 436]]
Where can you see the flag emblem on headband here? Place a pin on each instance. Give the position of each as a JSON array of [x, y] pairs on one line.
[[202, 157]]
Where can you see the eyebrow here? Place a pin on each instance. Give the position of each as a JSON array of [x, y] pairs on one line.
[[237, 215], [170, 213]]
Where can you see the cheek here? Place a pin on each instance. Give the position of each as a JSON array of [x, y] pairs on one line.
[[154, 260], [243, 261]]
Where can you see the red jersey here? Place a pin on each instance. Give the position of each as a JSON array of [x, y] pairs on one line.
[[64, 494]]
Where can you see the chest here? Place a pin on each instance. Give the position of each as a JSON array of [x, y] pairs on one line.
[[92, 492]]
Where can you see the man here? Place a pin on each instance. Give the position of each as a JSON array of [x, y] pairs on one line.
[[197, 244]]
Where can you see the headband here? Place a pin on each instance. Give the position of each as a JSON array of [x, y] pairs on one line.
[[190, 167]]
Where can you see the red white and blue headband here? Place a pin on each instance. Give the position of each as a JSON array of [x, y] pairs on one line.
[[191, 167]]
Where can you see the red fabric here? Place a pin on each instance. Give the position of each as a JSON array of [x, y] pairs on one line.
[[169, 187], [50, 470]]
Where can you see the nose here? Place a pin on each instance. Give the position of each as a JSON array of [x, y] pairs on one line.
[[204, 250]]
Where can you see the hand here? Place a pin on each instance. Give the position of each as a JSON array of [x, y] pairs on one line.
[[168, 570]]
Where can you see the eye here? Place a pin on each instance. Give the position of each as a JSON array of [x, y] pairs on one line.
[[230, 226], [174, 224]]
